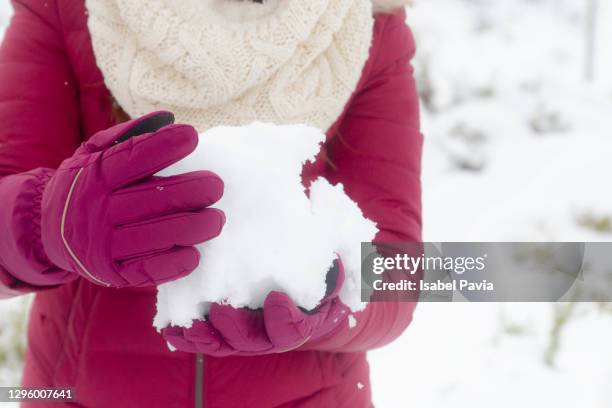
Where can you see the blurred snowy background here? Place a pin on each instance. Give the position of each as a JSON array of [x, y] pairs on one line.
[[517, 117]]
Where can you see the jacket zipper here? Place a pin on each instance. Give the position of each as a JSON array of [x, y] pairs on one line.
[[199, 380]]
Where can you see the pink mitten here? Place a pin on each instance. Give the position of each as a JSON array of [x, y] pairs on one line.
[[278, 327], [106, 217]]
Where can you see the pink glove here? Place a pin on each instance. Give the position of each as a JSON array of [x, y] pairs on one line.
[[280, 326], [107, 218]]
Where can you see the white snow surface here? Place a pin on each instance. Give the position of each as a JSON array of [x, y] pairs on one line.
[[496, 68], [275, 236]]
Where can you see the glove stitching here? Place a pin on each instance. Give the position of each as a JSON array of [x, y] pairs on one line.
[[63, 233]]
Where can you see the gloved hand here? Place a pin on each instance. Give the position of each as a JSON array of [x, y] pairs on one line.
[[278, 327], [106, 217]]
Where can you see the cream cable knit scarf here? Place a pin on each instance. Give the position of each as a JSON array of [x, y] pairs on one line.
[[293, 61]]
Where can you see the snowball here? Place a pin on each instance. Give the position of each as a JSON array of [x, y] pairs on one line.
[[352, 322], [360, 386], [275, 237]]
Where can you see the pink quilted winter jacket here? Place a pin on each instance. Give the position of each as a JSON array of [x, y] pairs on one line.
[[100, 340]]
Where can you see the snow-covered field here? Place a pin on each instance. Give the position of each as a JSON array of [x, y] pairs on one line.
[[517, 148], [13, 318]]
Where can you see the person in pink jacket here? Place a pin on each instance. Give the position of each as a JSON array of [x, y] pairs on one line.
[[87, 88]]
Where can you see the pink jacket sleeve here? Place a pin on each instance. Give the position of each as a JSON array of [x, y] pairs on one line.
[[376, 154], [39, 127]]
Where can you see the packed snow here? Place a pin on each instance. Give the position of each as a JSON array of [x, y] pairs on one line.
[[516, 147], [276, 237]]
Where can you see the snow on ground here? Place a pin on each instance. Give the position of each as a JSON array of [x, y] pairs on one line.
[[13, 317], [516, 149], [515, 137], [484, 355]]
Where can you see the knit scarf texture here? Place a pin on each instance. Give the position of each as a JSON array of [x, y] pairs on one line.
[[292, 61]]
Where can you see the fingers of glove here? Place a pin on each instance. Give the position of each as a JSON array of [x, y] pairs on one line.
[[243, 329], [201, 337], [333, 313], [142, 156], [123, 131], [287, 326], [163, 233], [175, 337], [158, 196], [159, 268]]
